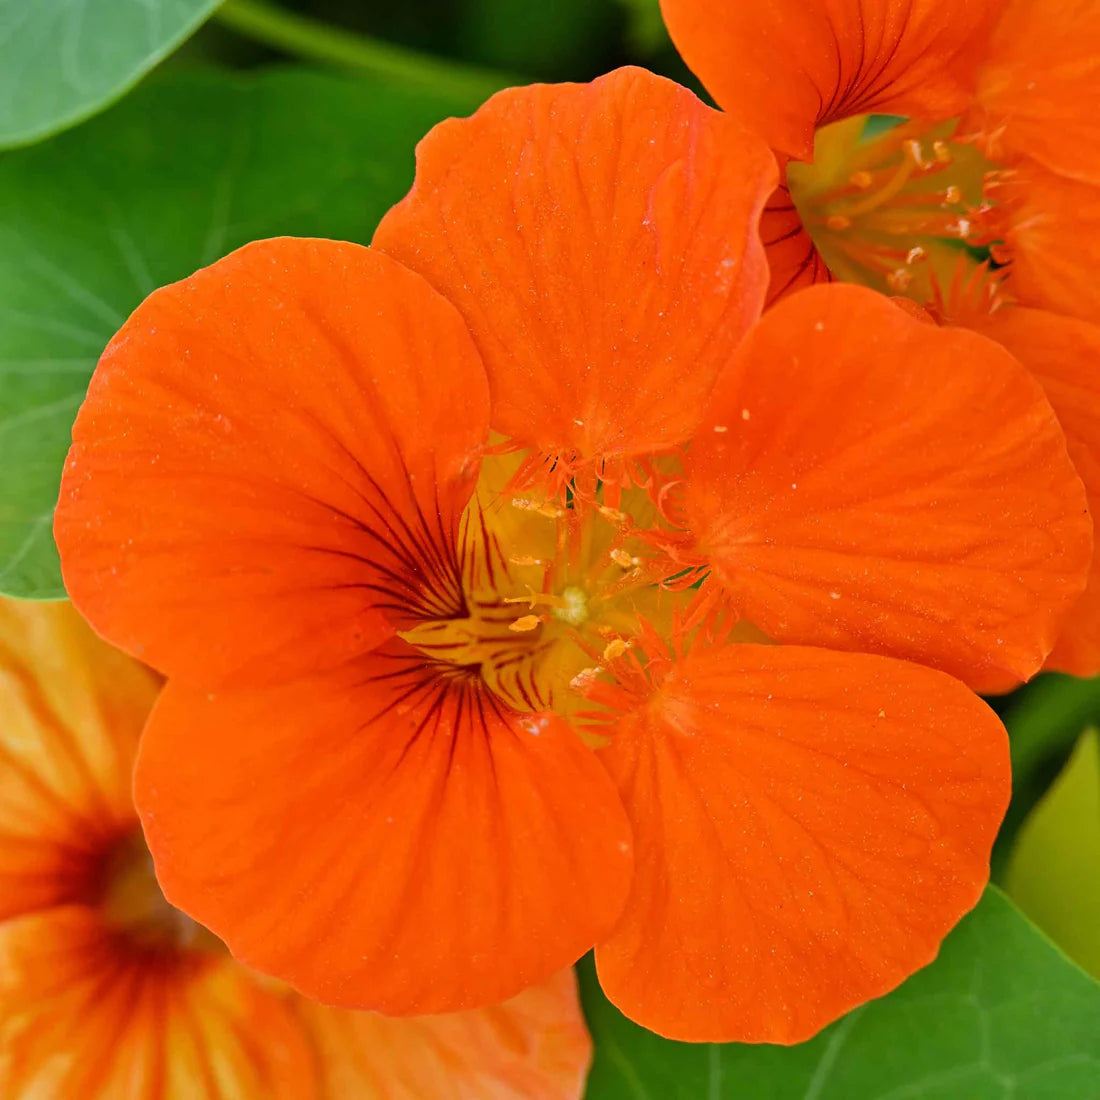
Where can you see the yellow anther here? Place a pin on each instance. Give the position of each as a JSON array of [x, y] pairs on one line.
[[585, 678], [917, 153], [942, 151], [613, 515], [861, 179], [914, 254], [525, 623], [615, 648], [961, 228], [542, 508], [899, 280], [620, 557], [952, 196]]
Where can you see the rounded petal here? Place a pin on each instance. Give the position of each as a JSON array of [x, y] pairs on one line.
[[601, 240], [1064, 355], [532, 1047], [809, 826], [1053, 236], [72, 710], [1040, 83], [385, 837], [272, 455], [788, 66], [81, 1016], [866, 481]]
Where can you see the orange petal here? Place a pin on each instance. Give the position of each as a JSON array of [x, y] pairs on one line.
[[601, 241], [1064, 354], [793, 259], [72, 709], [82, 1016], [809, 825], [1040, 83], [881, 484], [787, 66], [417, 847], [1054, 240], [269, 458], [533, 1047]]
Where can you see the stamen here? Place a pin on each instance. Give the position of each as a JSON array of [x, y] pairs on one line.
[[542, 508], [525, 623], [584, 679]]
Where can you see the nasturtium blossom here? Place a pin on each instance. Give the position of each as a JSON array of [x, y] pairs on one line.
[[999, 153], [107, 991], [467, 556]]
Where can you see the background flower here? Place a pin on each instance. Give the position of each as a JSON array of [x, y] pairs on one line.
[[106, 990]]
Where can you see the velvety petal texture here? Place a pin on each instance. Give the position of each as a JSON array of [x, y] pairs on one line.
[[1063, 353], [532, 1047], [1053, 236], [71, 712], [1040, 84], [417, 848], [866, 481], [809, 825], [601, 241], [272, 457], [784, 67]]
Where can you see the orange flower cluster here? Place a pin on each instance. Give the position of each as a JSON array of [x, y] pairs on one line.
[[108, 992], [984, 208], [523, 587]]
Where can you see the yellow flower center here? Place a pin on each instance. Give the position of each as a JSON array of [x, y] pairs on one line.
[[553, 591], [895, 211]]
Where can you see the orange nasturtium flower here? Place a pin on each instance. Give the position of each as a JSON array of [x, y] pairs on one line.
[[445, 709], [1001, 153], [107, 991]]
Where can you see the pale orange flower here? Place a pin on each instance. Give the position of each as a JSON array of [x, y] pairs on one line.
[[106, 991]]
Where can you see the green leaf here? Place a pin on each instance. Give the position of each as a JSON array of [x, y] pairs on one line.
[[173, 177], [1000, 1014], [1044, 719], [63, 60], [1054, 872]]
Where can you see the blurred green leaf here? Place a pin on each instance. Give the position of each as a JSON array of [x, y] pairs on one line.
[[1044, 719], [1054, 872], [566, 39], [172, 178], [1000, 1014], [63, 60], [646, 26]]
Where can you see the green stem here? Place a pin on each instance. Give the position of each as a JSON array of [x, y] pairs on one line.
[[308, 38]]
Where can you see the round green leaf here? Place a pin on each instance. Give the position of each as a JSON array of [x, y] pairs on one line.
[[169, 180], [63, 60], [1000, 1014]]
